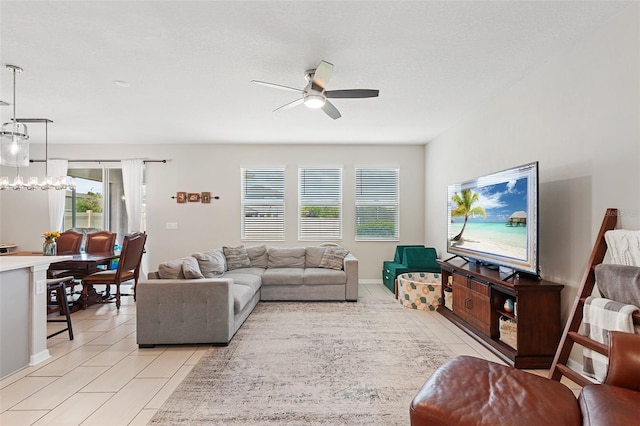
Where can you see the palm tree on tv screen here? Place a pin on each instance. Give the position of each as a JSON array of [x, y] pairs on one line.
[[464, 207]]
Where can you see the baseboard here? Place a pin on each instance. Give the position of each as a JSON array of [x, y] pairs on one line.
[[574, 365], [36, 359], [577, 367]]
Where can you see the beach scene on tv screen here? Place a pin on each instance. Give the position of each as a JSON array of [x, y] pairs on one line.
[[490, 219]]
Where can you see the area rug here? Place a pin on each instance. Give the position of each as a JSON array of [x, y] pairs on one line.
[[311, 363]]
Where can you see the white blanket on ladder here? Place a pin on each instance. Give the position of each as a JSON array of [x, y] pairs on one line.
[[623, 246], [599, 317]]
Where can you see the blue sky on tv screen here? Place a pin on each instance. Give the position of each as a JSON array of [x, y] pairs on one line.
[[499, 201]]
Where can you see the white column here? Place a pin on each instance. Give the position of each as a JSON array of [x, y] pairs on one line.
[[38, 292]]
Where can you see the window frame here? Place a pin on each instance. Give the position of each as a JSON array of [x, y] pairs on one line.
[[387, 197], [264, 203], [108, 199], [323, 201]]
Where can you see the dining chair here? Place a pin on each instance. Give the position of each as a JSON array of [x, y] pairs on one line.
[[69, 242], [100, 242], [57, 302], [128, 268]]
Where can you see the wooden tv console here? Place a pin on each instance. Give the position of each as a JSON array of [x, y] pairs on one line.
[[478, 298]]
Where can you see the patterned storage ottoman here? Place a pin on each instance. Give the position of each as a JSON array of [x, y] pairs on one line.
[[420, 290]]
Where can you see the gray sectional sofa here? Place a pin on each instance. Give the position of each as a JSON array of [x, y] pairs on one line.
[[205, 298]]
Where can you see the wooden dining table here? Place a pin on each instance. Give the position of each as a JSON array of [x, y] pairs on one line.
[[80, 265], [84, 264]]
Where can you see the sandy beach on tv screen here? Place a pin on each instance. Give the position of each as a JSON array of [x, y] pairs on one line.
[[481, 243]]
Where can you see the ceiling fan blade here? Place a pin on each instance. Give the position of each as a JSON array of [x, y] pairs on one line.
[[290, 105], [331, 110], [278, 86], [322, 74], [352, 93]]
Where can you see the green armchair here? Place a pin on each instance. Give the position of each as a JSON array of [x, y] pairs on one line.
[[409, 258]]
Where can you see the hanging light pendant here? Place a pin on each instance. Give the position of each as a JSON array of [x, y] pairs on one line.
[[33, 183], [14, 138]]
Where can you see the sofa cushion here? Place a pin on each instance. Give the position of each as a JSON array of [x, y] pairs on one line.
[[313, 276], [286, 257], [242, 271], [333, 258], [258, 256], [242, 294], [278, 276], [190, 269], [237, 257], [212, 263], [172, 269], [246, 276], [313, 256]]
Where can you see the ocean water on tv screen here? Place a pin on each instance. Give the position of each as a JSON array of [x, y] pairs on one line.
[[492, 237]]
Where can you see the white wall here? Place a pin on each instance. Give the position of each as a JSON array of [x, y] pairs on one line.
[[216, 168], [579, 116]]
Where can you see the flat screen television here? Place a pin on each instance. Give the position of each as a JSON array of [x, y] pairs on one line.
[[493, 219]]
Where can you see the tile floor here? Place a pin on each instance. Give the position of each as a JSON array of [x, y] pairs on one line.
[[102, 378]]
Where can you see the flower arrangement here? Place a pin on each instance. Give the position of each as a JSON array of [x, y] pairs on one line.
[[49, 247], [51, 235]]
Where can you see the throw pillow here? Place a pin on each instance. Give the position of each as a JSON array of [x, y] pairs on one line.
[[333, 258], [172, 269], [258, 256], [237, 257], [190, 268], [212, 263]]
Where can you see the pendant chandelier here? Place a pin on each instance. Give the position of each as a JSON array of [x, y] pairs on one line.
[[14, 138], [59, 183]]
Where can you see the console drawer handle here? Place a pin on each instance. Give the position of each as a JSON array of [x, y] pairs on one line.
[[468, 303]]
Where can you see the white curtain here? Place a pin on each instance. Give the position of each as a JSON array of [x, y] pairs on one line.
[[56, 168], [132, 171]]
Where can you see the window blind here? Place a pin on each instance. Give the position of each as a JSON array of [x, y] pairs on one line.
[[319, 203], [377, 203], [262, 204]]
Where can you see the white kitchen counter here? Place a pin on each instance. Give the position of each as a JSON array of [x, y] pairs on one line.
[[23, 311], [10, 262]]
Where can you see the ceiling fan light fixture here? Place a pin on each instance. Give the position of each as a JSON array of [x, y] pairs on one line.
[[315, 95], [314, 100]]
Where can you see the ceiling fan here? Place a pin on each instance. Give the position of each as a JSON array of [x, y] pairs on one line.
[[314, 94]]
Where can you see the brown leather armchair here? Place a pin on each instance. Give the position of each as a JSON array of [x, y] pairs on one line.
[[617, 399], [473, 391]]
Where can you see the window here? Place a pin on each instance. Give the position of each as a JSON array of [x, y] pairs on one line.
[[97, 201], [319, 203], [262, 203], [377, 203]]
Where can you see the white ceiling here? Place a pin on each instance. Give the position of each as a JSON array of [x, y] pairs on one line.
[[189, 65]]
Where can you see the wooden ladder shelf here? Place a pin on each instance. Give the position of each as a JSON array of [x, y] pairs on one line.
[[570, 335]]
